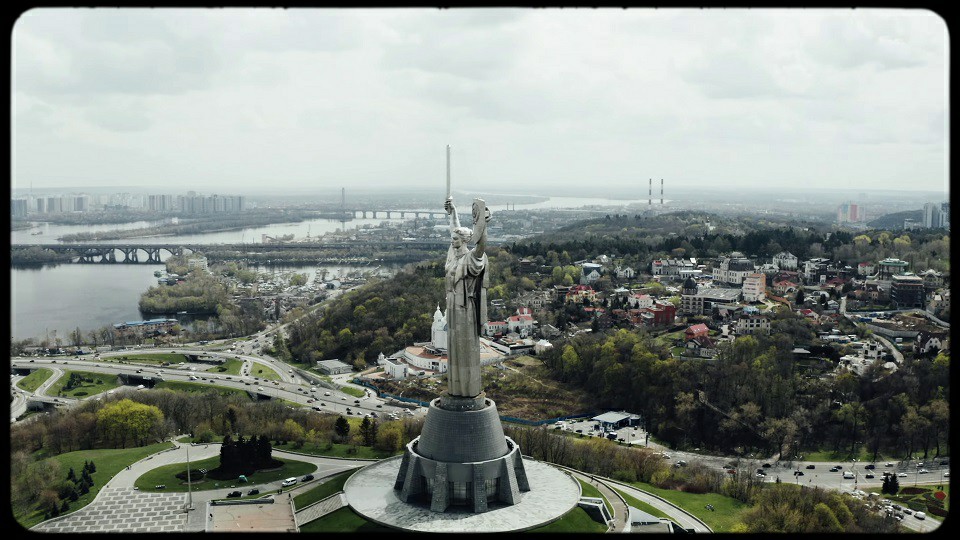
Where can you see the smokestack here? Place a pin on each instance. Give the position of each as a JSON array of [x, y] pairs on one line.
[[650, 194], [343, 198], [661, 192]]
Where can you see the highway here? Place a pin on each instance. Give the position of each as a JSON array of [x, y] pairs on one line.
[[318, 398]]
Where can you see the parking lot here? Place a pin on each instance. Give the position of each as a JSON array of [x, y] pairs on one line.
[[590, 428]]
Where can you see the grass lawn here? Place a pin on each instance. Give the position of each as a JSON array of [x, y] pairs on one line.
[[166, 475], [147, 358], [640, 505], [108, 462], [101, 383], [844, 455], [230, 367], [577, 520], [338, 450], [355, 392], [327, 488], [262, 371], [726, 512], [188, 439], [919, 498], [197, 387], [343, 520], [31, 382]]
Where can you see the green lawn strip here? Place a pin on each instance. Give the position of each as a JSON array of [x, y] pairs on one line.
[[336, 450], [726, 511], [640, 505], [166, 475], [188, 439], [147, 358], [262, 371], [576, 520], [108, 462], [343, 520], [844, 456], [198, 387], [230, 367], [355, 392], [106, 382], [329, 486], [31, 382]]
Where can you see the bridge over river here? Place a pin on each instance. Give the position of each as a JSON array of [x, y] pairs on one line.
[[138, 253]]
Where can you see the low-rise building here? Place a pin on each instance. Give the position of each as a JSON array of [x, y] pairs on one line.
[[695, 331], [703, 301], [752, 324], [785, 260], [333, 367], [907, 291], [754, 287], [733, 269]]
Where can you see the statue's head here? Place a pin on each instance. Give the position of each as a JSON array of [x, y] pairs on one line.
[[461, 235]]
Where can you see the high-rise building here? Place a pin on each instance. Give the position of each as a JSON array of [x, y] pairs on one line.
[[933, 215], [18, 208]]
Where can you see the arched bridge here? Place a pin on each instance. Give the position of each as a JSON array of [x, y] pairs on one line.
[[130, 253]]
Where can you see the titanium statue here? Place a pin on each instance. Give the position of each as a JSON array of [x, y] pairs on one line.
[[466, 287]]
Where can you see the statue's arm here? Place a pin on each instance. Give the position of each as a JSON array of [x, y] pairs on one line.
[[452, 210]]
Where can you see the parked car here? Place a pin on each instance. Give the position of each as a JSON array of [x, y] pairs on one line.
[[288, 482], [234, 494], [253, 491], [766, 465], [923, 471], [889, 465], [920, 515], [870, 466], [811, 466], [308, 477]]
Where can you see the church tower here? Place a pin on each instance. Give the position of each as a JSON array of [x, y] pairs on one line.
[[438, 332]]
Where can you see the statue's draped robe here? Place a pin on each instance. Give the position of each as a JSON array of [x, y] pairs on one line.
[[466, 283]]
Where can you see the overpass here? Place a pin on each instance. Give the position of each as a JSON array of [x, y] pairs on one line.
[[130, 253]]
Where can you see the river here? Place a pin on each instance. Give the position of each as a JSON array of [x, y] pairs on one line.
[[63, 297]]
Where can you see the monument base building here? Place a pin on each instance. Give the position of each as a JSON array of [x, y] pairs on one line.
[[462, 458]]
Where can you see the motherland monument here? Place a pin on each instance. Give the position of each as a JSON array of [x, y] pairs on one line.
[[462, 457]]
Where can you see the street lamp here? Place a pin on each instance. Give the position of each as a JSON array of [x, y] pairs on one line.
[[189, 490]]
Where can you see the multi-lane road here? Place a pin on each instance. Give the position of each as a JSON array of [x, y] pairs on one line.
[[291, 388]]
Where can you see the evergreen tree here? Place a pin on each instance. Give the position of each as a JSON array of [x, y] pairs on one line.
[[894, 485], [85, 477], [72, 475], [93, 467], [342, 427], [264, 451], [65, 506], [800, 297], [885, 487]]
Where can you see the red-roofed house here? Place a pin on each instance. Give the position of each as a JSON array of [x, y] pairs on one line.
[[492, 328], [781, 288], [640, 301], [577, 294], [695, 331], [661, 314], [521, 324]]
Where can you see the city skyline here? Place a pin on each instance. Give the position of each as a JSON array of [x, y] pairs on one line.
[[303, 100]]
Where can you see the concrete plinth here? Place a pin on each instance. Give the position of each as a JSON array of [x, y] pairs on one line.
[[552, 494]]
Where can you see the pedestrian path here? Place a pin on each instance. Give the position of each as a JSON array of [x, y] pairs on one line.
[[121, 509], [321, 508]]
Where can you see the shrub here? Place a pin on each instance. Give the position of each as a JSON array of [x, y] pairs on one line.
[[939, 512], [80, 393], [912, 491]]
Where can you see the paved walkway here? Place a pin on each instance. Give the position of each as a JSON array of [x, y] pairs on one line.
[[117, 509], [321, 508]]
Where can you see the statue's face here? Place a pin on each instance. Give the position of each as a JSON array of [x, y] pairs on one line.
[[457, 241]]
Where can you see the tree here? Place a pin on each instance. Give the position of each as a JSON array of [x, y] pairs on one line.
[[368, 431], [128, 420], [76, 337], [800, 297], [342, 428]]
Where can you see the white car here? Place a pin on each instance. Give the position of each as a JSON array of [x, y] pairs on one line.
[[902, 475], [288, 482]]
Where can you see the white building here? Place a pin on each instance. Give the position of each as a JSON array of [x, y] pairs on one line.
[[438, 332], [734, 269], [785, 260], [753, 324], [754, 286], [625, 272], [640, 301]]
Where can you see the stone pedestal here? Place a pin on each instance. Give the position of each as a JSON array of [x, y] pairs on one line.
[[461, 457]]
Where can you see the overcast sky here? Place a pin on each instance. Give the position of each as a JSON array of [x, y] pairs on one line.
[[247, 100]]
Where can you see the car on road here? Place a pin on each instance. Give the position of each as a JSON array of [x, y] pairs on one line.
[[234, 494], [259, 389], [870, 466], [834, 469], [902, 475], [799, 473], [848, 475], [945, 462], [253, 491], [868, 476], [811, 466], [308, 477], [326, 393], [889, 465], [766, 465], [288, 482], [920, 515], [946, 474], [923, 471], [379, 405]]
